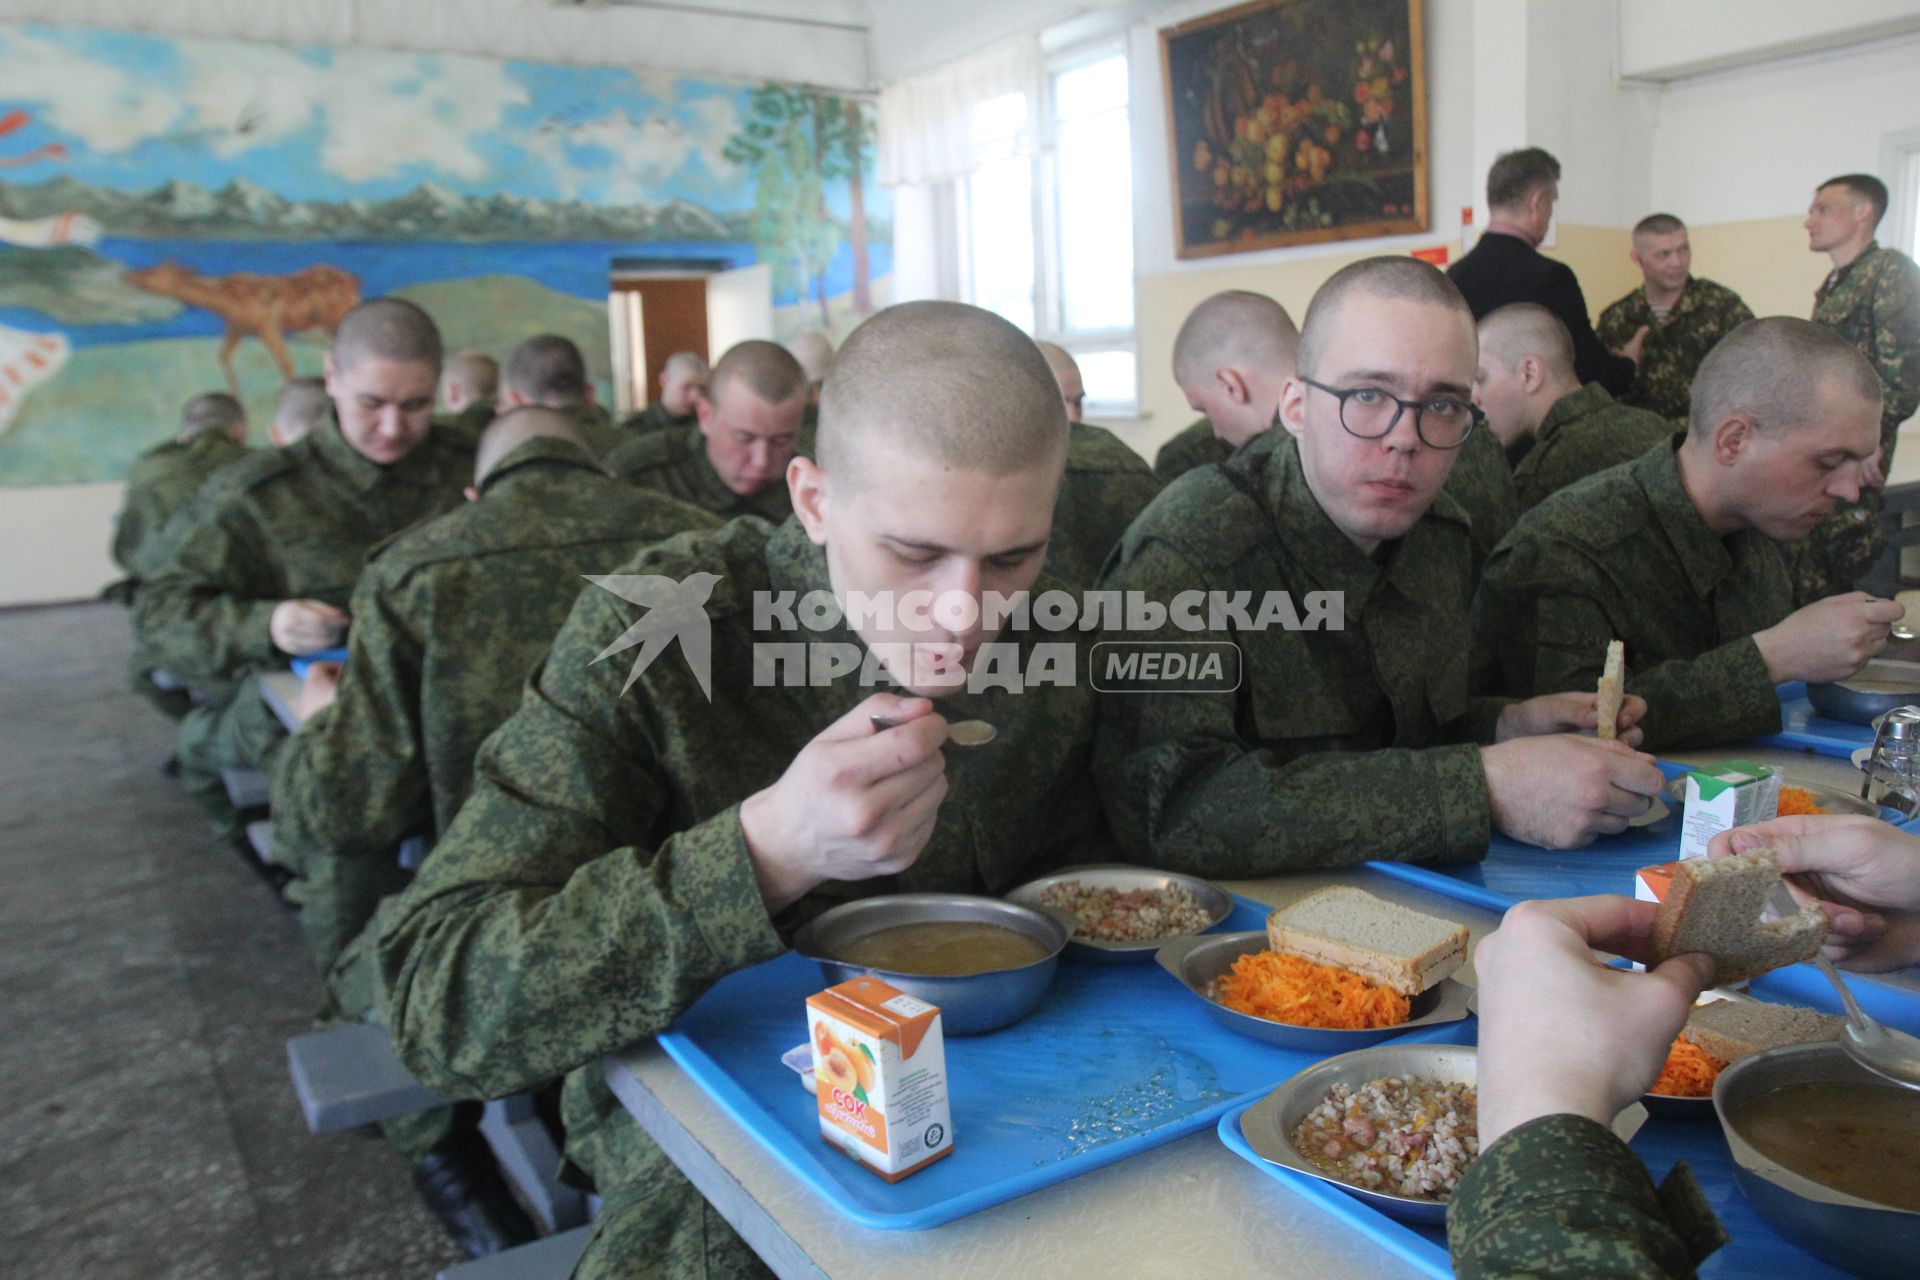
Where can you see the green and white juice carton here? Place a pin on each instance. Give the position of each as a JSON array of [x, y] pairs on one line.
[[1734, 793]]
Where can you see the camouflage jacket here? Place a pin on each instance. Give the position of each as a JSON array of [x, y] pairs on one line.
[[654, 418], [1105, 486], [1584, 432], [448, 619], [1561, 1198], [1704, 313], [1194, 446], [467, 425], [597, 881], [1874, 303], [1624, 555], [294, 523], [1482, 483], [675, 463], [163, 481], [1338, 745]]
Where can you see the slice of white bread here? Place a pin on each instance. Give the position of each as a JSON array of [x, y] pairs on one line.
[[1612, 691], [1377, 939], [1732, 1029], [1714, 906]]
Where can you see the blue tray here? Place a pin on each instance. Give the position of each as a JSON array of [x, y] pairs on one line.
[[1804, 729], [1117, 1059], [302, 664], [1514, 872]]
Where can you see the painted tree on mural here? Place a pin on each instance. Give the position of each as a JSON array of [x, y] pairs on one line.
[[797, 142]]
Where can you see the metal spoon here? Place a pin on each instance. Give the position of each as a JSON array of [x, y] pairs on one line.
[[1901, 631], [1893, 1055], [961, 733]]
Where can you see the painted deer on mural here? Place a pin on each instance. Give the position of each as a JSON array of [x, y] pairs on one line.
[[264, 307]]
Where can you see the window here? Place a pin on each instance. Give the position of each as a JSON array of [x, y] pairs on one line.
[[1900, 163], [1048, 221]]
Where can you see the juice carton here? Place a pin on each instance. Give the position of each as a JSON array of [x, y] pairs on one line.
[[880, 1066], [1725, 796]]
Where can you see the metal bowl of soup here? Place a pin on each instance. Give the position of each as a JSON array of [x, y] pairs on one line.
[[1823, 1149], [1874, 690], [984, 961]]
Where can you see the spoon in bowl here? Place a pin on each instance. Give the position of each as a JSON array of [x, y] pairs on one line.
[[1890, 1054]]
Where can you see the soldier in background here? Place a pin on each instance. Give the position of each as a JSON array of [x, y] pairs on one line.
[[1106, 484], [1194, 445], [213, 432], [469, 390], [301, 406], [1682, 314], [683, 380], [1872, 299], [548, 371], [1231, 358]]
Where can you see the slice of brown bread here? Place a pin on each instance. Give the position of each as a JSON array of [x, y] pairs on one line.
[[1396, 947], [1732, 1029], [1713, 906]]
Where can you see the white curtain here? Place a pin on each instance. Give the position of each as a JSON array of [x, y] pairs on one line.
[[928, 127]]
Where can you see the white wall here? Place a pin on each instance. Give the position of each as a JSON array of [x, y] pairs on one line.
[[1662, 39], [56, 542], [1601, 133]]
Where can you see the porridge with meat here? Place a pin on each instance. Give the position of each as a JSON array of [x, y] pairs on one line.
[[1402, 1136]]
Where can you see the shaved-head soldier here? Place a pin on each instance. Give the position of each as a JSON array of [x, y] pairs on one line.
[[469, 392], [1682, 316], [548, 371], [302, 405], [448, 620], [1231, 358], [683, 380], [1675, 553], [1339, 741], [1107, 484], [264, 571], [814, 351], [717, 823], [735, 463], [1535, 406]]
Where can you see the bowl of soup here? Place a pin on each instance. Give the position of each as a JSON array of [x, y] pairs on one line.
[[1825, 1151], [986, 962]]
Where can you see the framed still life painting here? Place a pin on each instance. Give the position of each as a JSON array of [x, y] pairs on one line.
[[1296, 121]]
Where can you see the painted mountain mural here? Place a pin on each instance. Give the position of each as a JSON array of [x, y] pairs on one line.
[[182, 215]]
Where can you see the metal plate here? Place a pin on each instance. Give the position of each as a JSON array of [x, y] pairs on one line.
[[1217, 903], [1832, 799], [1198, 961], [1878, 687]]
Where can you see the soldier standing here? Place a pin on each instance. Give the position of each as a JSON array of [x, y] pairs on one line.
[[1682, 314]]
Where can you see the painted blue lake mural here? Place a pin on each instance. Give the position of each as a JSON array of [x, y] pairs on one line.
[[160, 199]]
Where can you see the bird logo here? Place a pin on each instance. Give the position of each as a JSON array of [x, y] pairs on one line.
[[676, 609]]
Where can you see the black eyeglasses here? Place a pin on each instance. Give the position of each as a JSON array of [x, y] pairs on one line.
[[1370, 413]]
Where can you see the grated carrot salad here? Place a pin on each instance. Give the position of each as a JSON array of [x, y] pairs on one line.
[[1795, 800], [1690, 1071], [1285, 988]]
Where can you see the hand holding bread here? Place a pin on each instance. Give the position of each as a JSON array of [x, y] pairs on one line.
[[1863, 874]]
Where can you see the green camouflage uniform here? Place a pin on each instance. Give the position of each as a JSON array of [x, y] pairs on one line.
[[467, 425], [1106, 485], [1874, 303], [1585, 432], [1703, 314], [676, 464], [655, 418], [1561, 1198], [1334, 748], [597, 881], [294, 523], [1194, 446], [1624, 555], [1482, 483]]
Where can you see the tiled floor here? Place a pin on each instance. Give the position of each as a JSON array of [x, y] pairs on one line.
[[148, 984]]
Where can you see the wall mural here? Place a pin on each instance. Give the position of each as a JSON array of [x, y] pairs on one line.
[[185, 215]]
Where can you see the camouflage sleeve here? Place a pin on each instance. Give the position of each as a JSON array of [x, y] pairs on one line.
[[1562, 1197], [352, 783], [1896, 338], [548, 929], [1184, 789], [1738, 313], [1723, 695], [206, 611], [134, 528], [1613, 329]]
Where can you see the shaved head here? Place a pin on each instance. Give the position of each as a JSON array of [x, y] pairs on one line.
[[951, 382], [1774, 371], [1512, 333], [814, 351], [517, 426], [1407, 279], [548, 369], [1237, 329], [764, 368], [684, 364], [475, 374], [388, 329], [211, 411], [302, 405], [1066, 372]]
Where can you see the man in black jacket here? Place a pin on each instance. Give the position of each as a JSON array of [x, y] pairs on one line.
[[1505, 266]]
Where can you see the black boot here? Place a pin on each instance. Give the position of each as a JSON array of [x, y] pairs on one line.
[[461, 1183]]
